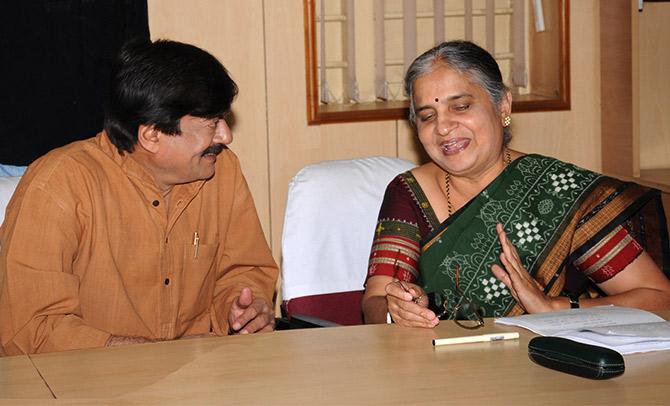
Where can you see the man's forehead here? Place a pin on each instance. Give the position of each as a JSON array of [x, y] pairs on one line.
[[194, 121]]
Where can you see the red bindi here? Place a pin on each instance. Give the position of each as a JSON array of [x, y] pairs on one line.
[[437, 100]]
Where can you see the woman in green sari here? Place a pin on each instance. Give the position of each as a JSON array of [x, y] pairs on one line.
[[509, 232]]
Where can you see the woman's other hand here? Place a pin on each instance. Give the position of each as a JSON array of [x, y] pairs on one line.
[[385, 296], [522, 286], [408, 305]]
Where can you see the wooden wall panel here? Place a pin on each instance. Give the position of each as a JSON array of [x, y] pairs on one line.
[[572, 135], [654, 89], [617, 95]]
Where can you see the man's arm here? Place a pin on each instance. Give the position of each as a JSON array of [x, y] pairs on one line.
[[39, 294], [246, 262]]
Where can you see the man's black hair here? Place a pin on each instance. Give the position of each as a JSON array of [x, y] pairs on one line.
[[157, 83]]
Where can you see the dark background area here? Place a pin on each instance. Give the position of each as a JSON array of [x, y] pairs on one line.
[[54, 66]]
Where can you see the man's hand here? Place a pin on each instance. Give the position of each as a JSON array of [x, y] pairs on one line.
[[250, 315]]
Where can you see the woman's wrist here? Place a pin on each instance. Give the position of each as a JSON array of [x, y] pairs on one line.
[[375, 310], [560, 303]]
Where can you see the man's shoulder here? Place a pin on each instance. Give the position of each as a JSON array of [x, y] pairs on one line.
[[72, 149], [69, 161]]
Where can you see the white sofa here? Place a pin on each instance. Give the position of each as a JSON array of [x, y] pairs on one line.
[[7, 186], [9, 177]]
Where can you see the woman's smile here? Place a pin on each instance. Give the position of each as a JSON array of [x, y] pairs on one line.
[[454, 145]]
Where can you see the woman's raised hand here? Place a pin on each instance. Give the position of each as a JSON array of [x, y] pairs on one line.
[[522, 286]]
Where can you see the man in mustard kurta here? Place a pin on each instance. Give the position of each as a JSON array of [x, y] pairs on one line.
[[147, 231]]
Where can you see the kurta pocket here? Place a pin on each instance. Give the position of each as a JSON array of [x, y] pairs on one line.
[[198, 279]]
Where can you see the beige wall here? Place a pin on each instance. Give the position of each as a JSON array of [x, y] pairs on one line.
[[261, 42], [653, 53]]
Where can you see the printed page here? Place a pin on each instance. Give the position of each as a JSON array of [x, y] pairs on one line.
[[640, 332], [564, 321], [626, 339]]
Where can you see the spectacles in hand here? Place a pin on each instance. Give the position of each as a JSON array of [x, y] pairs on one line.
[[466, 313]]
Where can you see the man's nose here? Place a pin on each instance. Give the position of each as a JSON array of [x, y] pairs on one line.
[[223, 134]]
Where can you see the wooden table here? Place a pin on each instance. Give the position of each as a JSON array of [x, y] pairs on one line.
[[384, 364], [19, 379]]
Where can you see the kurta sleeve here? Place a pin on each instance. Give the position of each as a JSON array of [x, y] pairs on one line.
[[246, 260], [39, 293]]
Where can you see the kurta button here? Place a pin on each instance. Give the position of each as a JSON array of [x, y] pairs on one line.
[[167, 281], [155, 203]]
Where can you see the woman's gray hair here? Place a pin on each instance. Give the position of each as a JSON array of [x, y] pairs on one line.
[[466, 58]]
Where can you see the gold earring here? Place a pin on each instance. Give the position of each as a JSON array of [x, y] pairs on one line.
[[507, 121]]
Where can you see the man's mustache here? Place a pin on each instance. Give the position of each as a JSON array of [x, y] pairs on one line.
[[214, 149]]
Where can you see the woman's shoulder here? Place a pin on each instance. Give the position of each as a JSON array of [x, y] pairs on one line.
[[402, 181], [407, 184], [423, 170], [405, 189]]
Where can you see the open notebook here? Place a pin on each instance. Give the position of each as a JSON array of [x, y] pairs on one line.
[[622, 329]]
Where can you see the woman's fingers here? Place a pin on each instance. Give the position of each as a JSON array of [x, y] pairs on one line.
[[396, 289], [413, 315], [523, 287], [504, 277], [406, 307], [511, 259], [509, 250]]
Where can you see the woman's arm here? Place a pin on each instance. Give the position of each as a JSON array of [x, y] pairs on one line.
[[640, 284], [374, 303], [394, 257]]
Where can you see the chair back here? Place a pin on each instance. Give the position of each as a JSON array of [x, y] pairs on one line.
[[329, 223]]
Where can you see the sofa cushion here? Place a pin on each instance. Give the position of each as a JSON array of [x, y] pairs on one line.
[[7, 186]]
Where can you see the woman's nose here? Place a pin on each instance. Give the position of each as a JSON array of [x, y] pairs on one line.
[[445, 125]]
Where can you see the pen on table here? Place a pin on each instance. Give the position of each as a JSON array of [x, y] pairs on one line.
[[196, 244], [476, 339]]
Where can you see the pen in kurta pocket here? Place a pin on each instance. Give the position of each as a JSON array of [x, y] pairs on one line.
[[196, 244]]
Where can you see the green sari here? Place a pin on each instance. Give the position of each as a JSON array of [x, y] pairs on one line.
[[552, 212]]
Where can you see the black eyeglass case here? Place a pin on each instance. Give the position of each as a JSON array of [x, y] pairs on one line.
[[571, 357]]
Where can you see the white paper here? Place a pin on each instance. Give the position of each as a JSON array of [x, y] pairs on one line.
[[642, 331], [622, 329]]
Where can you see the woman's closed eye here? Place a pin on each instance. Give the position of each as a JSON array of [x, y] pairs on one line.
[[460, 107], [426, 117]]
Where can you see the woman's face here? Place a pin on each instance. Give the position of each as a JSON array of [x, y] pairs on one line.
[[459, 127]]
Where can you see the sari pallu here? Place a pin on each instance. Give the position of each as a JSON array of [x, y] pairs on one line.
[[553, 212]]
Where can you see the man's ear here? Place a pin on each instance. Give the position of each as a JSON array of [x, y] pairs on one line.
[[148, 138]]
